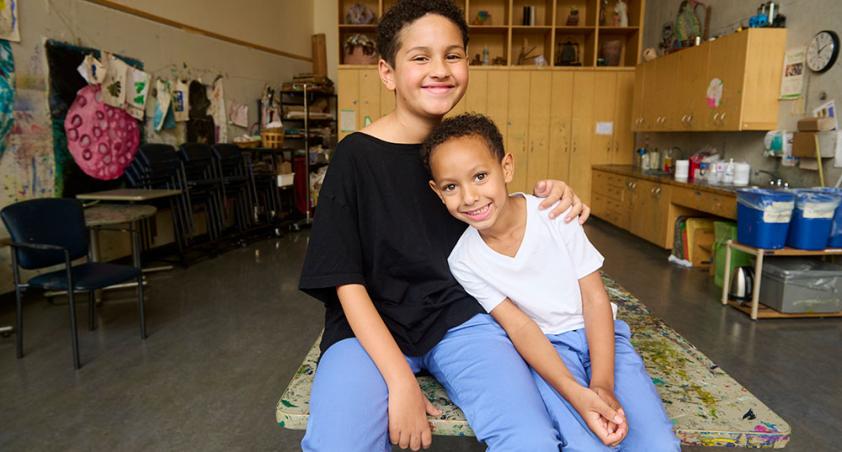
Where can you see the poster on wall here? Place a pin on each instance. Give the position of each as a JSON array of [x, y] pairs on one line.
[[9, 21], [792, 81]]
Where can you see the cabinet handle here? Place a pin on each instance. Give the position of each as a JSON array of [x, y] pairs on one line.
[[716, 118], [722, 118], [657, 190], [689, 119]]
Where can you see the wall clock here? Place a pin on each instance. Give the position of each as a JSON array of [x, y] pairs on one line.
[[822, 51]]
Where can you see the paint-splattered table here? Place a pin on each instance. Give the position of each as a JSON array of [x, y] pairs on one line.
[[706, 405]]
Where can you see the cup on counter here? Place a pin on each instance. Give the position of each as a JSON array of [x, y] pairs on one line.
[[682, 170]]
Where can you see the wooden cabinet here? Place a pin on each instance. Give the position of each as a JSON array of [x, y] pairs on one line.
[[505, 32], [648, 208], [672, 92], [548, 117]]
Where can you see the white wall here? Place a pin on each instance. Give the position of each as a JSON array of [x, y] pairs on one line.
[[804, 19], [27, 166]]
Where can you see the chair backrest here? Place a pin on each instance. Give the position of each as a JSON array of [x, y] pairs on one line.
[[231, 160], [50, 221]]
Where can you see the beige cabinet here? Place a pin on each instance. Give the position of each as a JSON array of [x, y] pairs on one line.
[[729, 84], [548, 117]]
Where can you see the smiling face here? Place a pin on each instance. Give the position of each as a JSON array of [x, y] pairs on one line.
[[470, 180], [430, 73]]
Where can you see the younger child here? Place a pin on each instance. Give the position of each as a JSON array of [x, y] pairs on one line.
[[538, 278]]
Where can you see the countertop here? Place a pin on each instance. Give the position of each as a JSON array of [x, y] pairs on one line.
[[631, 171]]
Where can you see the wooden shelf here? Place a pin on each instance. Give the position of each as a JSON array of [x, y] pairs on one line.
[[618, 30], [765, 312], [503, 35]]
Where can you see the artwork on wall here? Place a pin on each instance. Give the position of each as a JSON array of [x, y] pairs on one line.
[[7, 92], [9, 20], [102, 139], [64, 82], [137, 92]]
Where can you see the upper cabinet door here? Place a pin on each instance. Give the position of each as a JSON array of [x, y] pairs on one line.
[[724, 81], [348, 81], [623, 150], [638, 102], [693, 109], [604, 104], [561, 111]]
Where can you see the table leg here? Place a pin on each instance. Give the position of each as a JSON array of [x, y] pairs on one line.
[[755, 291], [94, 232], [726, 273]]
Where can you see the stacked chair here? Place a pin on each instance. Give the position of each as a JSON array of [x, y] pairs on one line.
[[234, 172], [204, 185], [159, 166]]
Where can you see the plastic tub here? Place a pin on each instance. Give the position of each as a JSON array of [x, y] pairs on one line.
[[812, 219], [797, 285], [835, 239], [763, 217]]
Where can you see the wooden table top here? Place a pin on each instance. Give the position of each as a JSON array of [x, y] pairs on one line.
[[128, 194], [109, 214]]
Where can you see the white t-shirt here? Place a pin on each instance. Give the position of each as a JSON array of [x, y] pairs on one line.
[[542, 279]]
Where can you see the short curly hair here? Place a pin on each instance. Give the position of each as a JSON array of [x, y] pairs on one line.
[[405, 12], [464, 125]]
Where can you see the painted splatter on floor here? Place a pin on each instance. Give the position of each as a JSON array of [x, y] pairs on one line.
[[706, 405]]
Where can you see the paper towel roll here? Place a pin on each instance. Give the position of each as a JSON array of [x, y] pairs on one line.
[[682, 169]]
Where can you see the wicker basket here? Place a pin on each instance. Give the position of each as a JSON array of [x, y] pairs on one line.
[[249, 144], [272, 138]]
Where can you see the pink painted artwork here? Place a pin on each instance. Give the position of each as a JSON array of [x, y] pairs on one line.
[[103, 140]]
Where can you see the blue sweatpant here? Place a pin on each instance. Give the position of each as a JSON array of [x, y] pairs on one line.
[[475, 362], [650, 430]]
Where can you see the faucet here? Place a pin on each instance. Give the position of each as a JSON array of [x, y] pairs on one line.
[[775, 179]]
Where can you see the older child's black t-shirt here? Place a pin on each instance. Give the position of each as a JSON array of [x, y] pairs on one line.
[[380, 225]]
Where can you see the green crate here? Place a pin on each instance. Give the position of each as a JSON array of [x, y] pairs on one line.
[[724, 231]]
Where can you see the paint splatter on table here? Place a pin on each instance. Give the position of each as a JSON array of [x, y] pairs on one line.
[[706, 405]]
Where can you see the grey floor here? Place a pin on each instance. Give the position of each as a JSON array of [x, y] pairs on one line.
[[227, 334]]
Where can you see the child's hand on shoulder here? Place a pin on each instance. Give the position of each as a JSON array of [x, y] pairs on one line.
[[608, 424]]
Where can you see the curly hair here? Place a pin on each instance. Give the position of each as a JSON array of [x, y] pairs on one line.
[[405, 12], [464, 125]]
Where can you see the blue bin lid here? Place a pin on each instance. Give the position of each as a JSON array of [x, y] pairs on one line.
[[815, 197], [758, 198]]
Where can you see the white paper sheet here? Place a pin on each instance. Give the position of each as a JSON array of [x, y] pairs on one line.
[[605, 128], [348, 120]]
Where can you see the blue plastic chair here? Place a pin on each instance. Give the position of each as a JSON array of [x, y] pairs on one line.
[[51, 231]]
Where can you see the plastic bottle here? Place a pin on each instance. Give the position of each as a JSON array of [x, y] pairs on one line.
[[654, 160], [667, 159], [485, 56], [728, 177]]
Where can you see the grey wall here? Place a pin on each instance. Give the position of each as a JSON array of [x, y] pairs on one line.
[[804, 19]]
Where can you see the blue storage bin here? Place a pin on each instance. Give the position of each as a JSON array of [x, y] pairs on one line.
[[835, 239], [812, 219], [763, 217]]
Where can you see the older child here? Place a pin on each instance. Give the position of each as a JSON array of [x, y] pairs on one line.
[[378, 260], [538, 278]]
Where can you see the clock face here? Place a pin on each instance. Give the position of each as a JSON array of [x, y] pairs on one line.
[[822, 51]]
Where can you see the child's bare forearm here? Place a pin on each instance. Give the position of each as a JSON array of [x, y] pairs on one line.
[[373, 335], [535, 348], [599, 329]]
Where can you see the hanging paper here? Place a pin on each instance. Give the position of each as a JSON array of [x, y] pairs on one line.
[[138, 90], [238, 114], [714, 93], [180, 101], [162, 104], [9, 20], [92, 70], [7, 92], [217, 111], [792, 81], [103, 140], [114, 85]]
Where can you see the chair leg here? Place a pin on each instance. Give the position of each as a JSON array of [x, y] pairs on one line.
[[91, 310], [74, 334], [18, 321], [140, 307]]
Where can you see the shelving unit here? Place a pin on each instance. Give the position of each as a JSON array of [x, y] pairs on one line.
[[505, 35], [754, 310], [305, 98]]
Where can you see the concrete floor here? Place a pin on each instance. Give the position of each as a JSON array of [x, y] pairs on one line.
[[227, 334]]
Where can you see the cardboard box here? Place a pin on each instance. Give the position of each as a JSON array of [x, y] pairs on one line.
[[815, 124], [804, 144]]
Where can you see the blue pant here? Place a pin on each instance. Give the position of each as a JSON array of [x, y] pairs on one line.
[[475, 362], [650, 429]]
